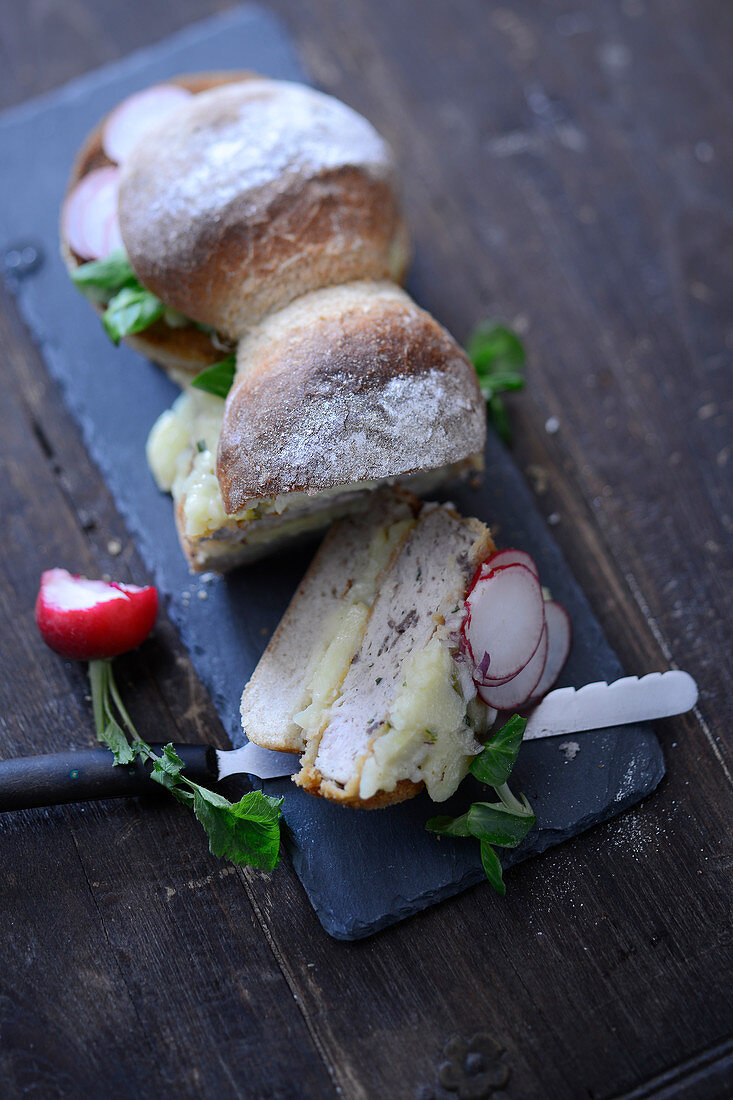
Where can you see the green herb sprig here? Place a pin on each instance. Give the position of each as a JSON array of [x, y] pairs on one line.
[[217, 378], [112, 283], [244, 832], [498, 355], [130, 308], [130, 311], [502, 824], [100, 280]]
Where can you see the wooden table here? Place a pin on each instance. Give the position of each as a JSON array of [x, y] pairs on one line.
[[567, 168]]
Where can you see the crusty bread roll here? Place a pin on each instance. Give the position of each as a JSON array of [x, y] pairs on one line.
[[348, 384], [254, 193], [187, 350], [361, 675], [347, 389]]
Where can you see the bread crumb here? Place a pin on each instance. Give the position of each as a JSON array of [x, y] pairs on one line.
[[570, 749], [538, 477]]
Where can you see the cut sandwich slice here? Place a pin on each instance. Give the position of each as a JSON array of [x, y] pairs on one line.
[[366, 675], [346, 390]]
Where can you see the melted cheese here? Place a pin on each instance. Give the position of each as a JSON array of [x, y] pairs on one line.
[[181, 452], [425, 736]]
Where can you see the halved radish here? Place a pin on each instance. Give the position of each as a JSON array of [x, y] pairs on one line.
[[88, 211], [509, 557], [519, 689], [505, 619], [559, 637], [136, 114]]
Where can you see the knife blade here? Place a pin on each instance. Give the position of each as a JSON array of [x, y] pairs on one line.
[[602, 705], [83, 774]]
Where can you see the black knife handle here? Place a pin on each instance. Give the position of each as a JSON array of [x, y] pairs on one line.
[[84, 774]]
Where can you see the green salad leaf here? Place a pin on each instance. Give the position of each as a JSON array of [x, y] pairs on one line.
[[494, 763], [498, 355], [495, 823], [131, 310], [102, 279], [246, 832], [217, 378], [492, 867]]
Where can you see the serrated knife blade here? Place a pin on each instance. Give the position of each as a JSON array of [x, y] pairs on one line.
[[600, 705]]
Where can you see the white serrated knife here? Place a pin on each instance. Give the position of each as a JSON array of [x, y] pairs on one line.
[[601, 705], [86, 773]]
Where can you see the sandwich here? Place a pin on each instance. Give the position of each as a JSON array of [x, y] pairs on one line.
[[215, 198], [406, 636], [264, 215], [347, 389]]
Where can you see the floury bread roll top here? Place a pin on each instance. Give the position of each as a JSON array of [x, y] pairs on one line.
[[345, 390], [254, 193], [232, 194], [363, 675]]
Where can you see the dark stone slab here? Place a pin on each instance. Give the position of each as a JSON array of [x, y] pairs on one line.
[[361, 871]]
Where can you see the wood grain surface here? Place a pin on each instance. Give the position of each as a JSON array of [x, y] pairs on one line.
[[569, 169]]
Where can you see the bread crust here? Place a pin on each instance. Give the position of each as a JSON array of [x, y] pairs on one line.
[[349, 384], [311, 781], [292, 190], [182, 352]]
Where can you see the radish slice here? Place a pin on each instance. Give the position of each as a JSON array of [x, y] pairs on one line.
[[481, 674], [509, 557], [138, 113], [505, 619], [88, 211], [518, 690], [112, 235], [559, 637]]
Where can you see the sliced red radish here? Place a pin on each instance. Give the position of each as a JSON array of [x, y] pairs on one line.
[[509, 557], [88, 212], [138, 113], [505, 619], [519, 689], [112, 235], [481, 674], [559, 637]]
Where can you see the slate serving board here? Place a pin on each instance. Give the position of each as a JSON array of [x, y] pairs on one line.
[[361, 871]]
